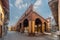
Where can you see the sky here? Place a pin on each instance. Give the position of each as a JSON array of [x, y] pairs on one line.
[[18, 7]]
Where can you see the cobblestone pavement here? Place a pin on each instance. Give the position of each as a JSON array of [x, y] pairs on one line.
[[19, 36]]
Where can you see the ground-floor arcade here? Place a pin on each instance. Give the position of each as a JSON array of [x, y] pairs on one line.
[[33, 26], [31, 22]]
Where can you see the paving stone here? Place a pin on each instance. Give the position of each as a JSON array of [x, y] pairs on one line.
[[20, 36]]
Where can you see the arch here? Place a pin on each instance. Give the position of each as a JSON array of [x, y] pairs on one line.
[[45, 26], [37, 21], [38, 24], [25, 23]]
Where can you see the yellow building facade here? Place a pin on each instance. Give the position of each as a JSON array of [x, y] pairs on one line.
[[3, 17]]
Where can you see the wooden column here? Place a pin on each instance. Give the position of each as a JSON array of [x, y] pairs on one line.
[[31, 28]]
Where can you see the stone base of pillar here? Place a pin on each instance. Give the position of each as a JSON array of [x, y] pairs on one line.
[[18, 31], [0, 36], [31, 34], [22, 31]]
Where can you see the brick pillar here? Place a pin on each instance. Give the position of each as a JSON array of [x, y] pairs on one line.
[[29, 27], [59, 14], [42, 27], [48, 27], [33, 26], [22, 28]]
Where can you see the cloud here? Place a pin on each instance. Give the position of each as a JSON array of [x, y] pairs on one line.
[[49, 0], [37, 4], [51, 16], [23, 5], [11, 5], [16, 17], [19, 4]]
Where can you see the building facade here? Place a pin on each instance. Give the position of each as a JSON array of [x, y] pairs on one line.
[[31, 22], [59, 14], [54, 8], [4, 16]]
